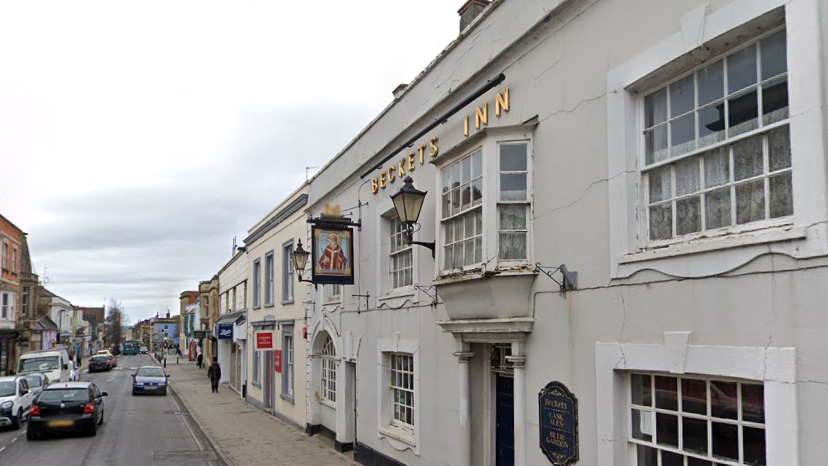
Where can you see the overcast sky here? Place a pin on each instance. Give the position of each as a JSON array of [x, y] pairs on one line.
[[138, 138]]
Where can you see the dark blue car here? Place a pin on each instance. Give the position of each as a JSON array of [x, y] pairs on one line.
[[149, 379]]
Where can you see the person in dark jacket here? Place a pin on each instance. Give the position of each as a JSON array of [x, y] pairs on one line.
[[214, 372], [200, 360]]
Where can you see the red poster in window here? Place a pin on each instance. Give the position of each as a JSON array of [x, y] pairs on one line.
[[277, 359], [264, 341]]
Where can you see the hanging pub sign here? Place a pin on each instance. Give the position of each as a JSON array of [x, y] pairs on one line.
[[333, 248], [225, 331], [558, 424]]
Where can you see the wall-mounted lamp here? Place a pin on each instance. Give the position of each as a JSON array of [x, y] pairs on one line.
[[299, 257], [408, 202]]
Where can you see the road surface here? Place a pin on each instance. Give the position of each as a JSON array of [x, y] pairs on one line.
[[137, 431]]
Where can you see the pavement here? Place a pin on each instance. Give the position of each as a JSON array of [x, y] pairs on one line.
[[244, 435], [137, 431]]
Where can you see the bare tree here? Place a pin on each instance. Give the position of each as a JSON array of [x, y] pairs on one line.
[[115, 321]]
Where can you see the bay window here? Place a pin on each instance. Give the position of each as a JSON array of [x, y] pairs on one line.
[[486, 212]]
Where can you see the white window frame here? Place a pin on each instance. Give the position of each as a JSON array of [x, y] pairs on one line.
[[327, 375], [24, 301], [761, 132], [288, 345], [489, 140], [269, 270], [797, 236], [257, 368], [396, 233], [651, 411], [774, 367], [14, 267], [7, 306], [400, 436], [401, 366], [331, 294], [257, 283], [288, 292], [389, 297]]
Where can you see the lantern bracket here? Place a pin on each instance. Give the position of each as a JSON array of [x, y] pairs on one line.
[[427, 290], [367, 298], [569, 279]]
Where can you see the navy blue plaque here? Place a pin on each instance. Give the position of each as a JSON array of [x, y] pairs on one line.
[[558, 424]]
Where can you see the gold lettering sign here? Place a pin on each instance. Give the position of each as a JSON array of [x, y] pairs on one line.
[[398, 170]]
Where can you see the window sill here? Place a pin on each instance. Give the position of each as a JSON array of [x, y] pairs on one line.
[[332, 302], [290, 301], [479, 273], [404, 292], [254, 308], [269, 305], [257, 385], [726, 240], [288, 398], [328, 403], [399, 434]]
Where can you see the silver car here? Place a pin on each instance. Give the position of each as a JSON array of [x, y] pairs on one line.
[[37, 382]]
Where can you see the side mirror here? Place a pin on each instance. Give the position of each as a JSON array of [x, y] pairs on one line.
[[168, 376], [24, 392], [65, 366], [132, 375], [104, 393]]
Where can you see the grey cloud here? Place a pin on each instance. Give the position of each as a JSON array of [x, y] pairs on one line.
[[144, 246]]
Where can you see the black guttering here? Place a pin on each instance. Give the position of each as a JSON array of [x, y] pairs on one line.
[[436, 122], [280, 217]]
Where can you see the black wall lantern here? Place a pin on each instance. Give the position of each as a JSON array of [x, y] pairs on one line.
[[408, 202], [299, 257]]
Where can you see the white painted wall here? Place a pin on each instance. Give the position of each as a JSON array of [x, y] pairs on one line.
[[573, 72]]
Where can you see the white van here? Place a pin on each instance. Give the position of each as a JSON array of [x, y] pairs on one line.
[[52, 362]]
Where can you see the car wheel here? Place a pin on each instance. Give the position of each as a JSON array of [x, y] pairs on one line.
[[100, 423], [17, 419], [32, 435], [134, 393]]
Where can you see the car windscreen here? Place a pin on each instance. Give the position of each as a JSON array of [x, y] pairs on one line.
[[150, 372], [46, 363], [99, 359], [34, 381], [8, 388], [64, 395]]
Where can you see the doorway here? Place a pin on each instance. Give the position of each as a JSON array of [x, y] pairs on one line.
[[504, 420]]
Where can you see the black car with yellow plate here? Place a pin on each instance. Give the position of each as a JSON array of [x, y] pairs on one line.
[[67, 407]]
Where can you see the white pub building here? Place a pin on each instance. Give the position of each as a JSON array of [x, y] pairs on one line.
[[627, 204]]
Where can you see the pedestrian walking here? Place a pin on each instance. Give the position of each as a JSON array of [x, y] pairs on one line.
[[214, 372], [200, 360]]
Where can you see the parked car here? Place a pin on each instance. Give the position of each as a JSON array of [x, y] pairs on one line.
[[99, 363], [37, 382], [15, 401], [52, 362], [113, 361], [144, 350], [149, 379], [67, 407]]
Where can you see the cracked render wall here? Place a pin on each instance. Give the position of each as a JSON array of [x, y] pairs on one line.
[[559, 72]]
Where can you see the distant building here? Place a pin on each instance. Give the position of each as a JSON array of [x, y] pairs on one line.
[[11, 244]]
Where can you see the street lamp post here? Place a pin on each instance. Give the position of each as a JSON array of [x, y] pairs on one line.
[[408, 202]]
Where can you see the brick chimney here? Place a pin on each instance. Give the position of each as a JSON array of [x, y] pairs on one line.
[[470, 10]]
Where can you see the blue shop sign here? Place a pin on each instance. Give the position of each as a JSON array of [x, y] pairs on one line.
[[225, 331], [558, 424]]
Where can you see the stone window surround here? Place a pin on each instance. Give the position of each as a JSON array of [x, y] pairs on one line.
[[386, 296], [774, 367], [398, 438], [628, 244]]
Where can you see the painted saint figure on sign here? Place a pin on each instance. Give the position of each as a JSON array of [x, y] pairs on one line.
[[333, 258]]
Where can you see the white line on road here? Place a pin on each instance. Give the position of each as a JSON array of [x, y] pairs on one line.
[[14, 440], [1, 449]]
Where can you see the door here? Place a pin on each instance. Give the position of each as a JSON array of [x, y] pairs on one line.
[[268, 378], [505, 421], [234, 366]]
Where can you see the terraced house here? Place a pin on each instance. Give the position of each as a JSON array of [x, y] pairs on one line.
[[11, 240], [621, 251]]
